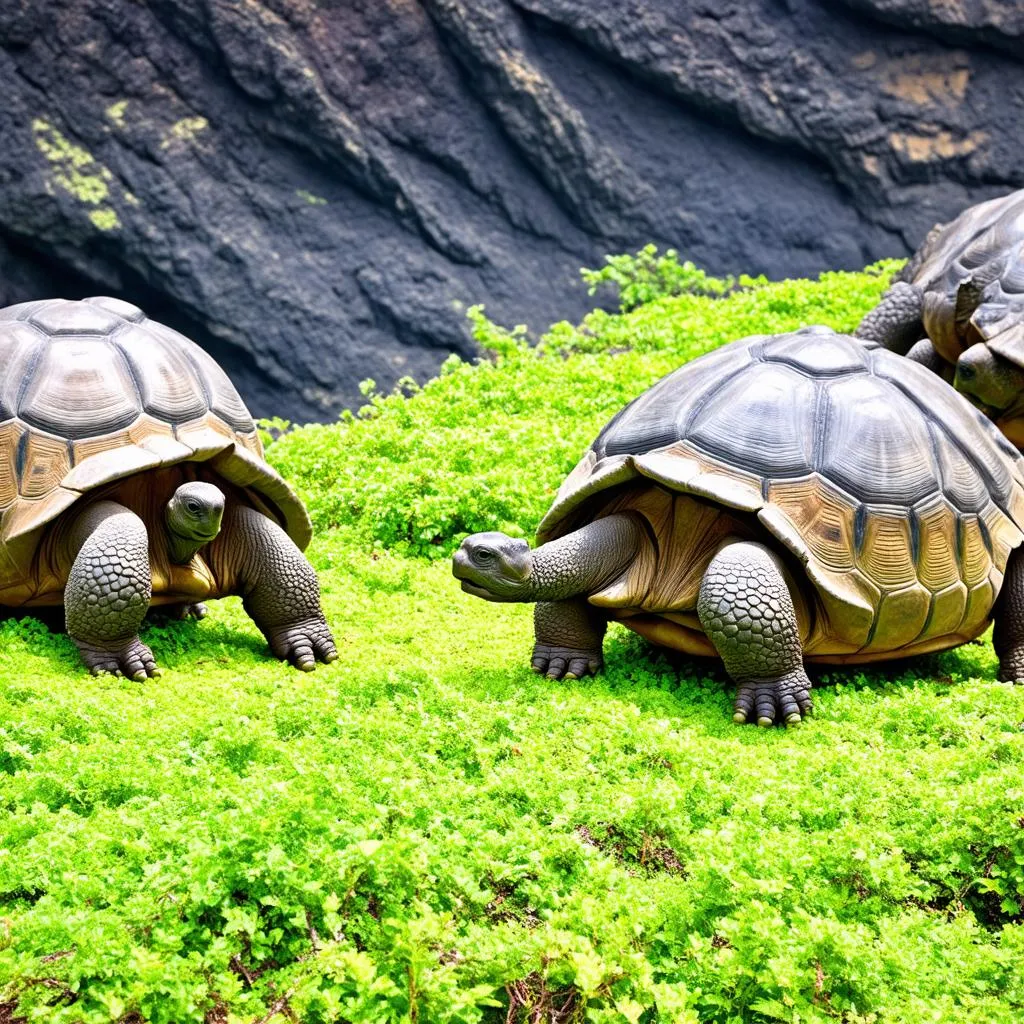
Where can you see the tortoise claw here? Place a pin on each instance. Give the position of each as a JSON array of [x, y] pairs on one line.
[[305, 643], [134, 660], [565, 662], [785, 700]]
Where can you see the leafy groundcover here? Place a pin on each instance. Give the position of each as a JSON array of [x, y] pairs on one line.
[[424, 831]]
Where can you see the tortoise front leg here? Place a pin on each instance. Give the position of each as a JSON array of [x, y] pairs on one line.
[[108, 591], [279, 587], [747, 611], [895, 323], [925, 353], [1008, 635], [569, 638]]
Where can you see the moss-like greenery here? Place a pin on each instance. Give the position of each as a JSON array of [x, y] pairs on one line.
[[116, 112], [425, 831], [185, 130], [77, 172]]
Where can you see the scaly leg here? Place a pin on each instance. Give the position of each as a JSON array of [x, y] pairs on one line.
[[925, 353], [895, 323], [569, 636], [279, 587], [1008, 635], [747, 612], [108, 591]]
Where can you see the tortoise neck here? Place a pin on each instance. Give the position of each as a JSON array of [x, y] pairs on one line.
[[181, 550], [587, 560]]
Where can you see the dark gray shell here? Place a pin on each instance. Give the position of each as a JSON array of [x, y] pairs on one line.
[[94, 391], [971, 272], [901, 500]]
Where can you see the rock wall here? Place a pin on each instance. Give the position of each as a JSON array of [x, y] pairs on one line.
[[315, 191]]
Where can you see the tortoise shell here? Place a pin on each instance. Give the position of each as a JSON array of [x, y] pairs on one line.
[[896, 499], [93, 392], [971, 273]]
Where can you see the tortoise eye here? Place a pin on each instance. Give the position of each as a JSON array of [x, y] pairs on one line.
[[192, 506], [483, 557]]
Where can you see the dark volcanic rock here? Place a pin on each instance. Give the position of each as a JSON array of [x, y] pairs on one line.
[[316, 191]]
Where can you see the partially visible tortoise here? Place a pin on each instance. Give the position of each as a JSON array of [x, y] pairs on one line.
[[958, 308], [787, 498], [131, 474]]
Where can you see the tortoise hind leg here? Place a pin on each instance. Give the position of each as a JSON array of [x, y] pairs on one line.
[[279, 587], [178, 612], [747, 612], [108, 591], [1008, 635], [895, 323]]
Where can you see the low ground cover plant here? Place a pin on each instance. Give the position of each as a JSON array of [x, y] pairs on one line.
[[425, 831]]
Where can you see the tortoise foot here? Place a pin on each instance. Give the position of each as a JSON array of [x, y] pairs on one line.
[[304, 643], [178, 612], [787, 699], [134, 660], [566, 662], [189, 611]]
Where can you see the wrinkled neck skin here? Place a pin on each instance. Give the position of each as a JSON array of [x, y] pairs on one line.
[[586, 561], [180, 549]]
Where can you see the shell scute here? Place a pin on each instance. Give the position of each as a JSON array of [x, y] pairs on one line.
[[761, 421], [822, 516], [61, 317], [1003, 534], [937, 564], [107, 466], [875, 443], [901, 618], [223, 399], [960, 424], [80, 387], [818, 354], [885, 553], [124, 310], [947, 610], [166, 379], [10, 435], [20, 347], [642, 426], [980, 599], [975, 558], [44, 463]]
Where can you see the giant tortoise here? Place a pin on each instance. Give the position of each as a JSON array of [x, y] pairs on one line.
[[958, 307], [790, 498], [131, 474]]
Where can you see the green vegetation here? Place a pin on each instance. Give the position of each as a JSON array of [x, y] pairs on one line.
[[426, 832], [77, 172], [187, 129], [646, 276]]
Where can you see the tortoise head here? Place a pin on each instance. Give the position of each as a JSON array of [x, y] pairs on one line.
[[495, 567], [995, 384], [193, 517]]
